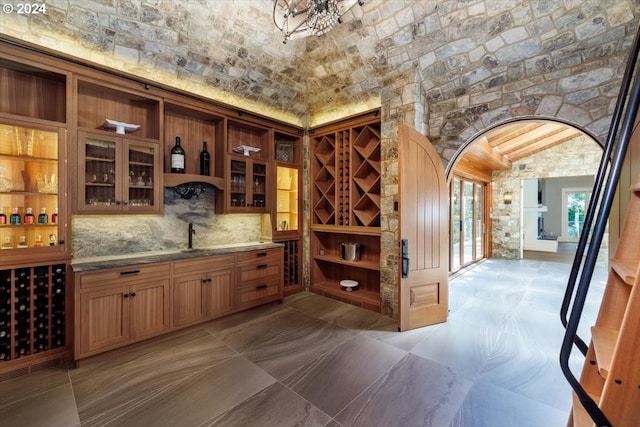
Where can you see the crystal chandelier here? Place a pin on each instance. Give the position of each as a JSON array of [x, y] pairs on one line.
[[303, 18]]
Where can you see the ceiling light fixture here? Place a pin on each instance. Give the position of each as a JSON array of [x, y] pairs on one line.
[[304, 18]]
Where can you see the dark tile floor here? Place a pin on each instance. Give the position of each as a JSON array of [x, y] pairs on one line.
[[313, 361]]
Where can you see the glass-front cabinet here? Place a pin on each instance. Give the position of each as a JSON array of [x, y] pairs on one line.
[[31, 187], [286, 198], [248, 186], [117, 174]]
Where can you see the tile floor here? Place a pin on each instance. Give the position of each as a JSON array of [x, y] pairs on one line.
[[313, 361]]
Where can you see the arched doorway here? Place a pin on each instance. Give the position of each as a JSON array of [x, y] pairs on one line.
[[491, 214]]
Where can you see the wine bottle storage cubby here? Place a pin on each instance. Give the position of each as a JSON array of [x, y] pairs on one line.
[[344, 172], [366, 176], [324, 172], [292, 265], [32, 310]]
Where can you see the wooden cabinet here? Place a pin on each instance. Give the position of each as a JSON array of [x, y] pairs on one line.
[[32, 181], [121, 305], [244, 163], [117, 174], [203, 288], [345, 208], [611, 372], [259, 276], [118, 148]]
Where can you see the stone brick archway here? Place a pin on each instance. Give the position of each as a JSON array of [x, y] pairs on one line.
[[578, 156]]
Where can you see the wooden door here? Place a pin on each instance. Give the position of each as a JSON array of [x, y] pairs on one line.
[[104, 321], [218, 293], [188, 306], [149, 308], [423, 199]]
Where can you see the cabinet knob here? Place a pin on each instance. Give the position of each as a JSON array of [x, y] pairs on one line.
[[133, 294], [126, 295]]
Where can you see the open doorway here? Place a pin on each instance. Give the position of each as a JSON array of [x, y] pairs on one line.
[[499, 160]]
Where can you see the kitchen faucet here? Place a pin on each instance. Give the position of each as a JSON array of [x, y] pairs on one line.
[[190, 237]]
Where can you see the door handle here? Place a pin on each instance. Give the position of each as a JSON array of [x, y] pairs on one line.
[[405, 258]]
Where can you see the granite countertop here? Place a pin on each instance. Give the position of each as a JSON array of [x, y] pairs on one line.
[[109, 261]]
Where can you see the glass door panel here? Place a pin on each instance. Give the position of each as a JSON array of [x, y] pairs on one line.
[[100, 172], [479, 230], [238, 183], [467, 215], [141, 175], [259, 194], [29, 188], [456, 197], [287, 199]]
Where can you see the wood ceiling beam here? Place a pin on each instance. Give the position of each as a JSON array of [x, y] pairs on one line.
[[558, 138]]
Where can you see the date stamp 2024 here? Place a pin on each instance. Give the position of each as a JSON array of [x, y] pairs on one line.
[[25, 8]]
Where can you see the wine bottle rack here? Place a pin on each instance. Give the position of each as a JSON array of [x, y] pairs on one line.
[[291, 263], [325, 181], [347, 171], [32, 310]]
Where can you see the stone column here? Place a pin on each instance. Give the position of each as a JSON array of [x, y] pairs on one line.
[[402, 102]]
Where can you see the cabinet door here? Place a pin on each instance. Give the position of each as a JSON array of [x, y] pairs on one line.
[[219, 293], [187, 299], [104, 319], [116, 174], [99, 176], [149, 308], [142, 177], [247, 186], [31, 182]]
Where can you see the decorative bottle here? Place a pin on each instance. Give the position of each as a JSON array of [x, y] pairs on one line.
[[15, 217], [54, 217], [177, 157], [205, 160], [3, 217], [43, 218], [29, 218]]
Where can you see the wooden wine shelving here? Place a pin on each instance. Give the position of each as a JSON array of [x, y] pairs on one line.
[[345, 200]]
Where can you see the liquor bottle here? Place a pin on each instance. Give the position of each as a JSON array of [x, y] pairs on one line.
[[43, 218], [205, 160], [54, 217], [15, 217], [38, 242], [3, 217], [29, 218], [177, 157]]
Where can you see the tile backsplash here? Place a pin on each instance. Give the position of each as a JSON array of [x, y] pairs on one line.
[[100, 235]]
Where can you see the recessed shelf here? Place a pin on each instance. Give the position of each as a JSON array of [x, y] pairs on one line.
[[366, 297], [356, 264]]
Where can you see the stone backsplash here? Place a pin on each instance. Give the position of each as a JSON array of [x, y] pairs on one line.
[[100, 235]]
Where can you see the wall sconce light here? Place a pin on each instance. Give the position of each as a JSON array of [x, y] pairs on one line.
[[506, 197]]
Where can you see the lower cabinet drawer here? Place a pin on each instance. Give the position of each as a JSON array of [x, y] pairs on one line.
[[260, 292]]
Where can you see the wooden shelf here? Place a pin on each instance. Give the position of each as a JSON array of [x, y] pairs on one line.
[[360, 296], [604, 343], [173, 179], [356, 264], [345, 229], [626, 269]]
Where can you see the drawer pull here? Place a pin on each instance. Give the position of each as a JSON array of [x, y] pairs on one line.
[[260, 287], [262, 266], [261, 254], [126, 273]]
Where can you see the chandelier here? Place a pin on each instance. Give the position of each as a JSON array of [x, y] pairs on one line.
[[303, 18]]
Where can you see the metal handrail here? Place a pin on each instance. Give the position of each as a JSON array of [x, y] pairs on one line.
[[599, 228], [597, 188]]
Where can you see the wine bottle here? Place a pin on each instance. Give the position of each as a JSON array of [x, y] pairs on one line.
[[205, 160], [177, 157]]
